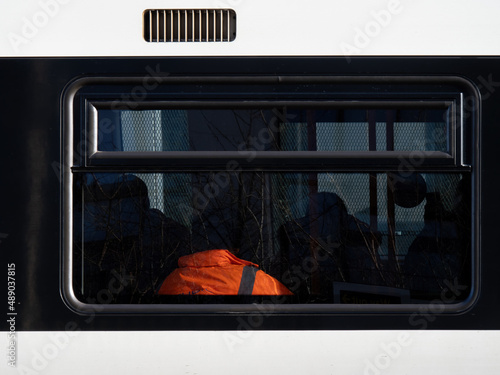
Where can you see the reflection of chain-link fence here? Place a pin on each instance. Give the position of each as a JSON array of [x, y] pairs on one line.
[[354, 136], [142, 131], [354, 189], [292, 197], [342, 136], [156, 130], [425, 136]]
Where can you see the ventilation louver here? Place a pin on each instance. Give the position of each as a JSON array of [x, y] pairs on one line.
[[189, 25]]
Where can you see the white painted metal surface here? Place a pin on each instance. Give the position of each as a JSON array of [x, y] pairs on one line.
[[278, 27], [249, 352]]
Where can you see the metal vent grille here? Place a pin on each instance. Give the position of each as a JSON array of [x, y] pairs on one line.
[[189, 25]]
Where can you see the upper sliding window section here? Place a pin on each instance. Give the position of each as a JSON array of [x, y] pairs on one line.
[[234, 127], [280, 123]]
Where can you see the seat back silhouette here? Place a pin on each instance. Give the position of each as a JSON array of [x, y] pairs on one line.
[[127, 248]]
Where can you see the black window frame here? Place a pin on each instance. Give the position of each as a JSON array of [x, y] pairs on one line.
[[80, 154]]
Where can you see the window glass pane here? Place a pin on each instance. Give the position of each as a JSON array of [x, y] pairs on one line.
[[274, 129], [316, 237]]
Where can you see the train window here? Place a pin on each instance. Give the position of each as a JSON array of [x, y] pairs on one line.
[[302, 205]]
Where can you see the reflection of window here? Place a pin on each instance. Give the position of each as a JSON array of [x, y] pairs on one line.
[[368, 196]]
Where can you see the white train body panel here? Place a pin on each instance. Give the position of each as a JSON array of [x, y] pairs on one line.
[[340, 28]]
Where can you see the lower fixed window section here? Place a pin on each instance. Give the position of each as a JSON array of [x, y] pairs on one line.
[[241, 237]]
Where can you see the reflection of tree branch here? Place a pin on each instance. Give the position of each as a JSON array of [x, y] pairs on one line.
[[245, 121], [215, 131], [260, 224], [208, 212]]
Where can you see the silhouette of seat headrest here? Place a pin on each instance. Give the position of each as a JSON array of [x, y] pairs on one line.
[[113, 207]]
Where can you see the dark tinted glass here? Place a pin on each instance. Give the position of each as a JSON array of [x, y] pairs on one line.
[[274, 129], [328, 237]]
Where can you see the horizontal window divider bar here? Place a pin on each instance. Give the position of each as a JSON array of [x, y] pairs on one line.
[[151, 161], [414, 157]]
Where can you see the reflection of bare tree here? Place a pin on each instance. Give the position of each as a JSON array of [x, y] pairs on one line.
[[232, 130], [236, 217], [337, 246], [255, 215]]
